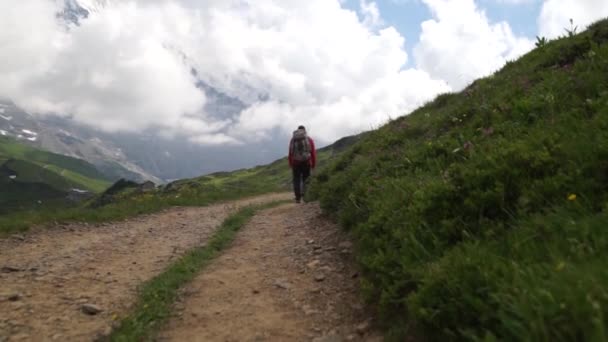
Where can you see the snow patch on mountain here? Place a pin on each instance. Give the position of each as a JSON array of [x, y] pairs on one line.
[[4, 133], [7, 118], [91, 5], [28, 132]]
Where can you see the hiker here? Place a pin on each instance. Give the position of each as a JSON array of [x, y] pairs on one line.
[[302, 159]]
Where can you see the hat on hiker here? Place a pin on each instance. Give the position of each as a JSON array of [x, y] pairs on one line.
[[301, 127]]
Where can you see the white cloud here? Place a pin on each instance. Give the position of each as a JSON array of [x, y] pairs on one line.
[[516, 2], [556, 14], [128, 66], [460, 44], [113, 72], [371, 14]]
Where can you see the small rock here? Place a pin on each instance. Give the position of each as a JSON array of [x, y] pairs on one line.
[[315, 290], [90, 309], [351, 337], [326, 269], [14, 297], [18, 237], [56, 337], [330, 249], [316, 247], [282, 284], [10, 269], [308, 311], [310, 242], [346, 244], [313, 264], [362, 328], [319, 277]]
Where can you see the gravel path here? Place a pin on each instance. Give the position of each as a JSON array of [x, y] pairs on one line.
[[74, 283], [288, 276]]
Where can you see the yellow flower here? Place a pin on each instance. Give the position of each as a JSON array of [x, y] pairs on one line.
[[572, 197]]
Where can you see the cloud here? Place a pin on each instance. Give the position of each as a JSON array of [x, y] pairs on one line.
[[556, 14], [460, 44], [128, 66], [516, 2], [109, 72]]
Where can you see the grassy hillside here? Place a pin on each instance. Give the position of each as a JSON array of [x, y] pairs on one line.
[[29, 176], [483, 215]]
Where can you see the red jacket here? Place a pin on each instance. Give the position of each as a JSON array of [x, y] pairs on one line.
[[313, 154]]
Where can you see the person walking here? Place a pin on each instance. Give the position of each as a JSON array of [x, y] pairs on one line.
[[302, 159]]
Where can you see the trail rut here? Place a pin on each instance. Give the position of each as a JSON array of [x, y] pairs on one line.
[[48, 276]]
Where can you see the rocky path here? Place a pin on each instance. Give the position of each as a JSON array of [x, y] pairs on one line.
[[73, 284], [288, 276]]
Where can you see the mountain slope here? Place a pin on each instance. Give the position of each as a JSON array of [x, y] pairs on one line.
[[483, 215], [29, 175], [62, 136]]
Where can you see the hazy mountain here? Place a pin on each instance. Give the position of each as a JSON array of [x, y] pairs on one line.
[[61, 136]]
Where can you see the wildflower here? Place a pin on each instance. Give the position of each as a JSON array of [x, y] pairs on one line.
[[560, 266], [572, 197]]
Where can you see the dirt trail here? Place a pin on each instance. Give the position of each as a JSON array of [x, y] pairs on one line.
[[288, 276], [47, 276]]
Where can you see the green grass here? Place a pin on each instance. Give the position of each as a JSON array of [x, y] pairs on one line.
[[11, 149], [157, 296], [43, 180], [483, 214]]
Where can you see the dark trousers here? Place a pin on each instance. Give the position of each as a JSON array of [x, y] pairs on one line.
[[300, 175]]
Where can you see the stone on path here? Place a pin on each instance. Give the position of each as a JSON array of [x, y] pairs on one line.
[[90, 309]]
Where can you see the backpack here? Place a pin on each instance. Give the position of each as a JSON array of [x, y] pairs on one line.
[[300, 146]]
